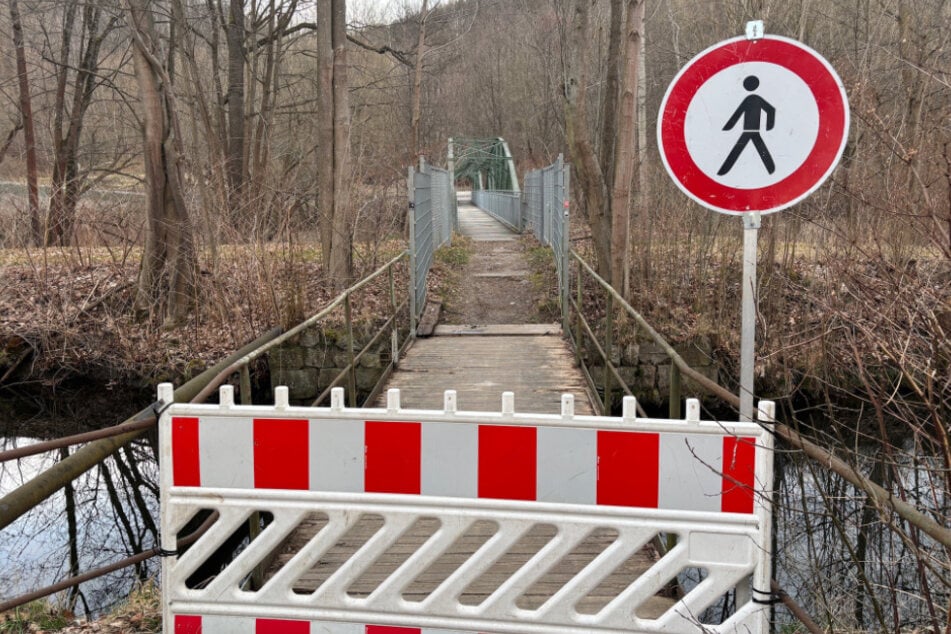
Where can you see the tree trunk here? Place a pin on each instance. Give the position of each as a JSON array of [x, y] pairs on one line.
[[167, 276], [333, 140], [588, 173], [612, 80], [236, 124], [418, 79], [26, 119], [625, 159], [53, 233], [325, 129], [341, 256]]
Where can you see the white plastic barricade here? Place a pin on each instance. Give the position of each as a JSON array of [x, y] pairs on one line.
[[702, 488]]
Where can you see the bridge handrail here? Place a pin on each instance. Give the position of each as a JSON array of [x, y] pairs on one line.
[[432, 218], [546, 201], [505, 206], [343, 299]]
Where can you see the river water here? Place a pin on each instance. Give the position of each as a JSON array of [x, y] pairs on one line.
[[116, 510]]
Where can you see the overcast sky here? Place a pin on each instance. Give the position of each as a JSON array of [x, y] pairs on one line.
[[378, 11]]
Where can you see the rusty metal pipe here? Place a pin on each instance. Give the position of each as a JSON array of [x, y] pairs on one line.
[[76, 439], [9, 604], [29, 494]]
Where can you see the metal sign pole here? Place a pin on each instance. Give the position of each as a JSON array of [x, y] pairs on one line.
[[751, 225]]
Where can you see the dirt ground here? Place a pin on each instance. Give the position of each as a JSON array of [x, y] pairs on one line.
[[497, 286]]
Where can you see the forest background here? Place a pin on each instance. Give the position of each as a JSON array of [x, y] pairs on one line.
[[249, 158]]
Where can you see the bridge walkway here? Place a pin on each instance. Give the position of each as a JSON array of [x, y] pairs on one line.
[[480, 362]]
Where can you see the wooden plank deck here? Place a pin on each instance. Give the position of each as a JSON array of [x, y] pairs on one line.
[[482, 362], [478, 225]]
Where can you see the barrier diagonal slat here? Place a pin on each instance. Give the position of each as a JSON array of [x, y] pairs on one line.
[[232, 576], [335, 587], [502, 601], [475, 566], [388, 592], [560, 605], [622, 607], [339, 523], [229, 520]]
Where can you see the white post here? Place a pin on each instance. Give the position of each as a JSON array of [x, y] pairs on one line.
[[751, 225]]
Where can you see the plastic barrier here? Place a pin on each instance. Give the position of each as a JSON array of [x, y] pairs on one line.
[[540, 487]]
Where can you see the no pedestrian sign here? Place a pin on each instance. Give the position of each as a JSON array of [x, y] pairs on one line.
[[753, 125]]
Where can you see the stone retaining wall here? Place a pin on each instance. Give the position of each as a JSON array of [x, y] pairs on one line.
[[645, 367], [308, 365]]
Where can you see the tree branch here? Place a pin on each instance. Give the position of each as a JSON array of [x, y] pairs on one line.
[[9, 141], [400, 56], [279, 33]]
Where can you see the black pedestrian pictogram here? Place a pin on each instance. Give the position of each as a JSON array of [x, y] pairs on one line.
[[751, 110]]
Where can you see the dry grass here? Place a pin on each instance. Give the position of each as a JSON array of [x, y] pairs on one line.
[[74, 307], [139, 613]]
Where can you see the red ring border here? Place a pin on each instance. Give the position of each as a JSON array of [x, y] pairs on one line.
[[815, 72]]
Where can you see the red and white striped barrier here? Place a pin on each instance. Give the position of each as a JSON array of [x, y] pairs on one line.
[[675, 470], [705, 478], [188, 624]]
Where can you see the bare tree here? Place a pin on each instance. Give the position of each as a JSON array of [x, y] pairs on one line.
[[333, 141], [26, 121], [167, 276], [418, 75], [625, 160], [605, 176], [237, 166], [68, 181]]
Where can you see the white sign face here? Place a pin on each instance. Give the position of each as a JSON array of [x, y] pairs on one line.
[[788, 142], [753, 125]]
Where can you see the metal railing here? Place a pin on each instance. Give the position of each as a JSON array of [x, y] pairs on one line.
[[546, 202], [504, 206], [431, 221], [583, 332]]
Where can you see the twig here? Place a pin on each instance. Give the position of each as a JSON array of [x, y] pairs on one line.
[[794, 608]]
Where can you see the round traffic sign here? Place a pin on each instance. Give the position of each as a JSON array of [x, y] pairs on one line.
[[753, 125]]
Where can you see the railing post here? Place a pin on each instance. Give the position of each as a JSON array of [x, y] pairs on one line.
[[395, 332], [673, 400], [245, 385], [608, 345], [413, 256], [352, 378], [565, 236], [578, 308], [451, 165], [254, 522]]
